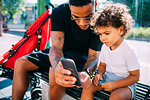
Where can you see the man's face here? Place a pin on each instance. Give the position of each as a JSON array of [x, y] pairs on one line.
[[82, 15]]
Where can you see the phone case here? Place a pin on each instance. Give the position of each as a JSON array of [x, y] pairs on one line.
[[70, 65]]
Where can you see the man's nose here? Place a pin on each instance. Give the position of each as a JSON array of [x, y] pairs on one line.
[[83, 22]]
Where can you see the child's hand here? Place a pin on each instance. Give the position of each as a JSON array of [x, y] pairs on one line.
[[96, 79], [109, 86]]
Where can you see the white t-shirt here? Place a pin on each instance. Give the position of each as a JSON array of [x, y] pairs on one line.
[[119, 61]]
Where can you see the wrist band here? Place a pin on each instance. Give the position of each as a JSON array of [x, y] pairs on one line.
[[90, 74]]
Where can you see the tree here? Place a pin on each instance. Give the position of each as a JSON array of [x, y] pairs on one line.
[[9, 7], [1, 7], [139, 10]]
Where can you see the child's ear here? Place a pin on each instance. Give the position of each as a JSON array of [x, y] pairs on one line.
[[69, 5], [121, 30]]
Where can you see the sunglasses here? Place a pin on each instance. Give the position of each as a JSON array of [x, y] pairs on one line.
[[78, 19]]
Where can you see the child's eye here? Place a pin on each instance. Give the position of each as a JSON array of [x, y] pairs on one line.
[[107, 33], [99, 34]]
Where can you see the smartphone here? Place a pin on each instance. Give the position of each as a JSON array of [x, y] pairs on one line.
[[70, 65]]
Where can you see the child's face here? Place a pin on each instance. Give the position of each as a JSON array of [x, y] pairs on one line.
[[110, 36]]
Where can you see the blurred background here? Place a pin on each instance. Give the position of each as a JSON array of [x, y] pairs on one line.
[[17, 15], [22, 13]]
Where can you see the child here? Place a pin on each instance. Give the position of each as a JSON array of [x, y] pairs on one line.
[[118, 65]]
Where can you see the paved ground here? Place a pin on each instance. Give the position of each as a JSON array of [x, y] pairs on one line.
[[140, 47]]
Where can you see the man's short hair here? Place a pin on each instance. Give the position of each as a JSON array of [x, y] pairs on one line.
[[80, 3]]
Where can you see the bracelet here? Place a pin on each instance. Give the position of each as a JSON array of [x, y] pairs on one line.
[[90, 74]]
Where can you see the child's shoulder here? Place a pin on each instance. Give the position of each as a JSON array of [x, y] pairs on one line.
[[126, 45], [128, 49]]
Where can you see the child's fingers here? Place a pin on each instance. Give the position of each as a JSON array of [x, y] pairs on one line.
[[96, 83], [103, 85], [101, 78], [96, 80]]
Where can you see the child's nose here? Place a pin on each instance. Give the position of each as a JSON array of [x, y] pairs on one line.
[[103, 37]]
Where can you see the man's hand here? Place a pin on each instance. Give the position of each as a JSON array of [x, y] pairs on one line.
[[85, 80], [109, 86], [62, 76]]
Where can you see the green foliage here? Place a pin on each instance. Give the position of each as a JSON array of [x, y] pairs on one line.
[[10, 7], [140, 32], [140, 11]]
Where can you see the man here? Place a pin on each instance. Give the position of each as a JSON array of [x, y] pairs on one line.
[[71, 37]]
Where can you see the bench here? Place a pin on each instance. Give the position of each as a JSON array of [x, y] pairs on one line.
[[142, 91]]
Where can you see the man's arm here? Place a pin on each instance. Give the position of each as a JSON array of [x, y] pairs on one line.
[[55, 53], [62, 76], [91, 63], [92, 60]]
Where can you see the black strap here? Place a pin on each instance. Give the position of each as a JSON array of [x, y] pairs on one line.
[[49, 5], [45, 20]]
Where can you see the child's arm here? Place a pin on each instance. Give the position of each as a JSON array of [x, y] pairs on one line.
[[131, 79], [101, 68], [100, 72]]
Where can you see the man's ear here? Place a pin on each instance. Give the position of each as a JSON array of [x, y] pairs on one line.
[[69, 6]]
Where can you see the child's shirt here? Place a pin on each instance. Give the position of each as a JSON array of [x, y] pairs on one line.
[[119, 61]]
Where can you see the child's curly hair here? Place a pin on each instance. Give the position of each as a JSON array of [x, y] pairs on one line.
[[114, 15]]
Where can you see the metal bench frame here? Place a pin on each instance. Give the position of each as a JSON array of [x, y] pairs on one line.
[[142, 91]]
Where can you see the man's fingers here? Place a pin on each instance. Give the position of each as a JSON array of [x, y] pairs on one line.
[[78, 86], [62, 70], [65, 77], [87, 82], [65, 83]]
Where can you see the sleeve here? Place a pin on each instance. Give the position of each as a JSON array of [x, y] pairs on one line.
[[132, 61], [57, 23], [101, 56], [95, 43]]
